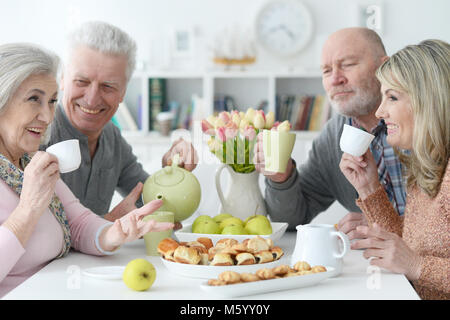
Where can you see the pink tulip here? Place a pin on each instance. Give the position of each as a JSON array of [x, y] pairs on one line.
[[207, 127], [221, 134], [224, 116], [249, 132], [231, 130], [275, 126]]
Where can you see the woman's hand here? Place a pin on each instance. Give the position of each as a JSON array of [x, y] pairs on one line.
[[39, 181], [188, 155], [131, 227], [389, 251], [259, 161], [361, 172], [38, 187]]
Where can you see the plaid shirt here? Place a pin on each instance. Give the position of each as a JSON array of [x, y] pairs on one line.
[[388, 164]]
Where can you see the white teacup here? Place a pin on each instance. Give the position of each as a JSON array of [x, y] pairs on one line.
[[68, 154], [318, 244], [355, 141]]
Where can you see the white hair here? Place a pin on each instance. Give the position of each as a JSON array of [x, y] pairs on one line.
[[105, 38], [19, 61]]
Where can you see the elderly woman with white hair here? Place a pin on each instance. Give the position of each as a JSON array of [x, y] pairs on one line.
[[40, 218]]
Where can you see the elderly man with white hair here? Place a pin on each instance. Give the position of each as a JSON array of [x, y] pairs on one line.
[[100, 62]]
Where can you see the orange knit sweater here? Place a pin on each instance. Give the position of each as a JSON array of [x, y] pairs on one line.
[[425, 228]]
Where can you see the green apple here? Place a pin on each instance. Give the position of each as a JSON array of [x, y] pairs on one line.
[[203, 217], [259, 225], [139, 274], [220, 217], [234, 229], [206, 226], [231, 221], [252, 217]]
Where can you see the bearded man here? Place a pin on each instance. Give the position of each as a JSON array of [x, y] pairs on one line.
[[349, 60]]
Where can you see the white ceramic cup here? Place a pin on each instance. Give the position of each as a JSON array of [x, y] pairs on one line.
[[318, 244], [355, 141], [68, 154]]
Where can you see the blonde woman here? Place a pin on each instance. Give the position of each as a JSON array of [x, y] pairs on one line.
[[415, 84]]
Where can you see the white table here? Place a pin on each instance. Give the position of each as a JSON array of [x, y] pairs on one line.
[[63, 279]]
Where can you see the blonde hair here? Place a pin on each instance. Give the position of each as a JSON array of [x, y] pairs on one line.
[[423, 72]]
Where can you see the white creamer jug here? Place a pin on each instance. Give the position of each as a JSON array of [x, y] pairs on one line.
[[318, 244]]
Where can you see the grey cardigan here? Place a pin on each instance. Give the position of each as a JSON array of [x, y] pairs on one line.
[[114, 166], [315, 185]]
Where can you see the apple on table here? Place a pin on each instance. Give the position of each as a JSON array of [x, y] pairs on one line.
[[139, 274]]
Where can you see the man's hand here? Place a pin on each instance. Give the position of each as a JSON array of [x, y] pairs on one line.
[[188, 155], [128, 204], [258, 160]]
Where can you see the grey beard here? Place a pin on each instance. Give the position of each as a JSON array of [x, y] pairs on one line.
[[363, 103]]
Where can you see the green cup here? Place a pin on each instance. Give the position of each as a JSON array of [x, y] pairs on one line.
[[277, 147], [153, 238]]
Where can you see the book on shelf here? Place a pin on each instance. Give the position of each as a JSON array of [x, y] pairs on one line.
[[123, 118], [156, 101], [185, 114], [304, 112], [227, 103]]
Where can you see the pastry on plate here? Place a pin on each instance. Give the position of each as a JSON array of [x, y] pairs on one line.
[[230, 277], [207, 242], [302, 266], [263, 257], [222, 259], [249, 277], [186, 255], [166, 248], [245, 258], [257, 244]]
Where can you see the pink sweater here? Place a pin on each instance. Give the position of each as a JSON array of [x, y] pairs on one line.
[[17, 263]]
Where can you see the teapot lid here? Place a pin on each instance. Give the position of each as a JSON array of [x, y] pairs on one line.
[[170, 175]]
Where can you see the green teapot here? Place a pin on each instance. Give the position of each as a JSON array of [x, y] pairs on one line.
[[177, 187]]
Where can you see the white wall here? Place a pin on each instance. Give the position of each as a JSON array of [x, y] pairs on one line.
[[48, 21]]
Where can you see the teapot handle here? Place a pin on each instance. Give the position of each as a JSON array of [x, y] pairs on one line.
[[218, 185]]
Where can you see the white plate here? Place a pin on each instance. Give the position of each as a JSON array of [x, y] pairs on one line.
[[211, 272], [265, 286], [108, 273], [186, 234]]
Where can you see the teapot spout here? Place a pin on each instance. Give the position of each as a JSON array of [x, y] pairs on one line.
[[159, 196]]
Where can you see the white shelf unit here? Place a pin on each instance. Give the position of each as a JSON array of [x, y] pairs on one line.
[[247, 88]]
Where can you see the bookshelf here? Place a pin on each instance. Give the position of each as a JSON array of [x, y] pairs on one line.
[[247, 89]]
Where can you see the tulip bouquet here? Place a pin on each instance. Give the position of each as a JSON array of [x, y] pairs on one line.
[[233, 135]]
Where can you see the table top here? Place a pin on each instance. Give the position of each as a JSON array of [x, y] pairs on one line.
[[64, 279]]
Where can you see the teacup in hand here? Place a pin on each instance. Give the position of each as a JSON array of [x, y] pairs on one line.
[[355, 141], [68, 154], [277, 147]]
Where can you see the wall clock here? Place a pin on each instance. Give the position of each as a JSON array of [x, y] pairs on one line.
[[283, 27]]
